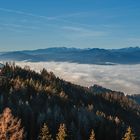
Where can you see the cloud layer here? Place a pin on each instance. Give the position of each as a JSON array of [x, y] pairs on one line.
[[125, 78]]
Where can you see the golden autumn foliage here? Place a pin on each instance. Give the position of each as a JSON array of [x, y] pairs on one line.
[[10, 127]]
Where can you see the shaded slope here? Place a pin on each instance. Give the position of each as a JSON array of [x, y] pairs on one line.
[[38, 98]]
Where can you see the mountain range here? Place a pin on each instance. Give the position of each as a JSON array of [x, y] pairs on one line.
[[129, 55]]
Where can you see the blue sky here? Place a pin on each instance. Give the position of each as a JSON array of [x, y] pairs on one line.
[[33, 24]]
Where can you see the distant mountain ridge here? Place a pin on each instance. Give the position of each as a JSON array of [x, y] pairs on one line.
[[129, 55]]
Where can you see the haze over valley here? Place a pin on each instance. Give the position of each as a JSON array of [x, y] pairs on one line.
[[125, 78]]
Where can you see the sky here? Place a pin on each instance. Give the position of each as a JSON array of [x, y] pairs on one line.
[[34, 24]]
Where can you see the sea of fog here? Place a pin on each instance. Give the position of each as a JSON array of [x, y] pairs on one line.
[[125, 78]]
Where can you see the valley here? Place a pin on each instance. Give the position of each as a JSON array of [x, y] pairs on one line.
[[124, 78]]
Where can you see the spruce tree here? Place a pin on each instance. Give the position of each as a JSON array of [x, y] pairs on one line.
[[129, 135], [45, 134], [10, 127], [92, 135], [61, 132]]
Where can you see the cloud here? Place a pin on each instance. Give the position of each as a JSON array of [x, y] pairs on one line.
[[73, 28], [71, 15], [133, 39], [82, 32], [19, 26], [125, 78], [76, 29], [61, 18], [23, 13], [34, 15], [76, 15]]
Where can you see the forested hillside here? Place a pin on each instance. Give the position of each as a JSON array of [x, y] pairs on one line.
[[41, 106], [135, 97]]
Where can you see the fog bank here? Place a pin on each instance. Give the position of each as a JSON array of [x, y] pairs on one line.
[[125, 78]]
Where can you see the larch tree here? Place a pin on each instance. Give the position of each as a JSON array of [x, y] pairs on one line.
[[61, 132], [92, 135], [129, 135], [10, 127], [45, 134]]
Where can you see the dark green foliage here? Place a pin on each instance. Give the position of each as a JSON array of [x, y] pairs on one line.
[[40, 98], [135, 97]]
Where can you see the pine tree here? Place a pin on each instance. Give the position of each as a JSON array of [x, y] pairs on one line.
[[92, 135], [129, 134], [61, 132], [10, 127], [45, 134]]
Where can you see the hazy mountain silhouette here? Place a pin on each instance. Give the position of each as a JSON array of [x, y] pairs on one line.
[[129, 55]]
